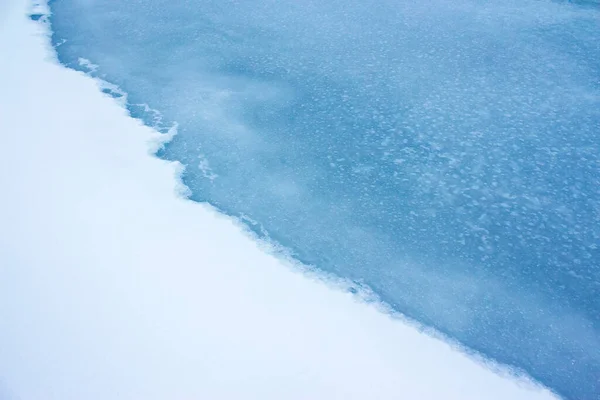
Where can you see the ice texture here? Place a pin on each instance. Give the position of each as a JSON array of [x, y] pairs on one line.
[[444, 154], [113, 287]]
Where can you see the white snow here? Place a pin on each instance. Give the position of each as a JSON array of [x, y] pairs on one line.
[[114, 287]]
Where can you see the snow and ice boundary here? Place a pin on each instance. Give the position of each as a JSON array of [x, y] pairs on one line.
[[114, 286]]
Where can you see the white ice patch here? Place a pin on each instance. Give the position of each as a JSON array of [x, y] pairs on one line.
[[204, 167], [87, 64]]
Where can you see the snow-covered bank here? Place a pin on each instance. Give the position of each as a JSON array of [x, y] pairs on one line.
[[112, 287]]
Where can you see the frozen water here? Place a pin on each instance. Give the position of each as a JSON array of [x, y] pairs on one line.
[[445, 154], [112, 287]]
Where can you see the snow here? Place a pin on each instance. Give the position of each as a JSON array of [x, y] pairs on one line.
[[113, 286]]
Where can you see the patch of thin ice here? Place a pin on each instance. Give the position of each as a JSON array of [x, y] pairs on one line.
[[113, 287]]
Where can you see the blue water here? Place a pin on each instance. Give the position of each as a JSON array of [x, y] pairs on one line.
[[444, 154]]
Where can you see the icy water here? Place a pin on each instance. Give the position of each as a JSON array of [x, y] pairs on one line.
[[445, 155]]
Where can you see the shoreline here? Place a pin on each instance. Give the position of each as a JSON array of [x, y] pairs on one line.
[[116, 287]]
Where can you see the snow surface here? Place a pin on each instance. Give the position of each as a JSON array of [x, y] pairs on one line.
[[444, 154], [113, 286]]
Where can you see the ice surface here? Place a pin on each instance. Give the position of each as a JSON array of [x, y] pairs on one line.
[[446, 154], [443, 153], [112, 287]]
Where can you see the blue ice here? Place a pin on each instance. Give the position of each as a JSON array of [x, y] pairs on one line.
[[445, 155]]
